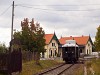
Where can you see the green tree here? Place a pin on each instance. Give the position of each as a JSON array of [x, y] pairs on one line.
[[97, 40], [26, 35], [32, 37]]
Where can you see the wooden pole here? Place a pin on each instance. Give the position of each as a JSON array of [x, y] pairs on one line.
[[12, 25], [12, 20]]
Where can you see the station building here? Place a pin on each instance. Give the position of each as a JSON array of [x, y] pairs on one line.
[[52, 45]]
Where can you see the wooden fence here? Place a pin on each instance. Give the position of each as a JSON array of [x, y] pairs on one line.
[[11, 62]]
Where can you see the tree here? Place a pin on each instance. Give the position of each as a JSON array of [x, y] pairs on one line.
[[26, 38], [32, 37], [3, 48], [97, 40]]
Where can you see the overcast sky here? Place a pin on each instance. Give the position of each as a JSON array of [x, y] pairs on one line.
[[65, 17]]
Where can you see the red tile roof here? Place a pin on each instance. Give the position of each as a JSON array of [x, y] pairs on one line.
[[48, 38], [82, 40]]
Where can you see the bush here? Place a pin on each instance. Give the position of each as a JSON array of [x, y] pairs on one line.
[[3, 48]]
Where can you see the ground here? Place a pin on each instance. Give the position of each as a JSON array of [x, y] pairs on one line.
[[92, 67], [30, 68]]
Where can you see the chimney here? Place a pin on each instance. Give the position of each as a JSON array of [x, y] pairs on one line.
[[70, 36]]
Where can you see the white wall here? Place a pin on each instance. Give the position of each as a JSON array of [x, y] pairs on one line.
[[88, 48], [49, 47]]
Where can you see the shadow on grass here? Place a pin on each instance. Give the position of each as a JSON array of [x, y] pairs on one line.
[[39, 64]]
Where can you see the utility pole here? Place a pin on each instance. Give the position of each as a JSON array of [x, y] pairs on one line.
[[12, 25], [12, 20]]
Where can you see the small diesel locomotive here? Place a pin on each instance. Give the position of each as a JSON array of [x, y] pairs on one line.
[[70, 51]]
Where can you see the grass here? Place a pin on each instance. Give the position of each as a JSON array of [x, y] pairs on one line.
[[96, 66], [29, 68], [79, 71], [88, 65], [94, 63]]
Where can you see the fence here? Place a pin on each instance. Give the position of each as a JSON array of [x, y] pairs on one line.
[[11, 62]]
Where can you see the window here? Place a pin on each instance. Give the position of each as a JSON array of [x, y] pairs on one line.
[[88, 44], [87, 51], [51, 52], [55, 52], [53, 44]]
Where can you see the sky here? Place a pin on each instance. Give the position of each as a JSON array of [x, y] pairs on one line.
[[64, 17]]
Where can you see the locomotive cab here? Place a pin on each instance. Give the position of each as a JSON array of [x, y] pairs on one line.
[[70, 51]]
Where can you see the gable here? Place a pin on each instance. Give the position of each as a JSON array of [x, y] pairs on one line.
[[55, 38], [82, 40], [50, 37]]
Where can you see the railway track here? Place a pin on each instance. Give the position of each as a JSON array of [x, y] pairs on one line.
[[65, 69], [57, 70]]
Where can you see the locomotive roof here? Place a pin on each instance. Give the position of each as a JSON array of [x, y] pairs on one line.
[[70, 43]]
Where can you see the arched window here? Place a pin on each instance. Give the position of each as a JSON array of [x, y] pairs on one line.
[[51, 52], [87, 51], [55, 52]]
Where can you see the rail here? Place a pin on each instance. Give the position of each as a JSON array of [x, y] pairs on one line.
[[57, 70], [65, 69]]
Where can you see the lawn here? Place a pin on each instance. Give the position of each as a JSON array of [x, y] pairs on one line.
[[30, 68], [79, 71], [96, 66]]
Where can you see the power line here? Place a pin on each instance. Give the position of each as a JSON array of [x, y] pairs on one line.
[[5, 11], [56, 10], [32, 6], [62, 5], [45, 10]]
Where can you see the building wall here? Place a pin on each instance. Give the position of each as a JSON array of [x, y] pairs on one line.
[[82, 49], [88, 48], [60, 51], [51, 49]]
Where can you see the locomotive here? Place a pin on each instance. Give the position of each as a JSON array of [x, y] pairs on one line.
[[70, 51]]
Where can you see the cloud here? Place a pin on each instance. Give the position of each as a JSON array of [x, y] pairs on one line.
[[65, 17], [5, 35]]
